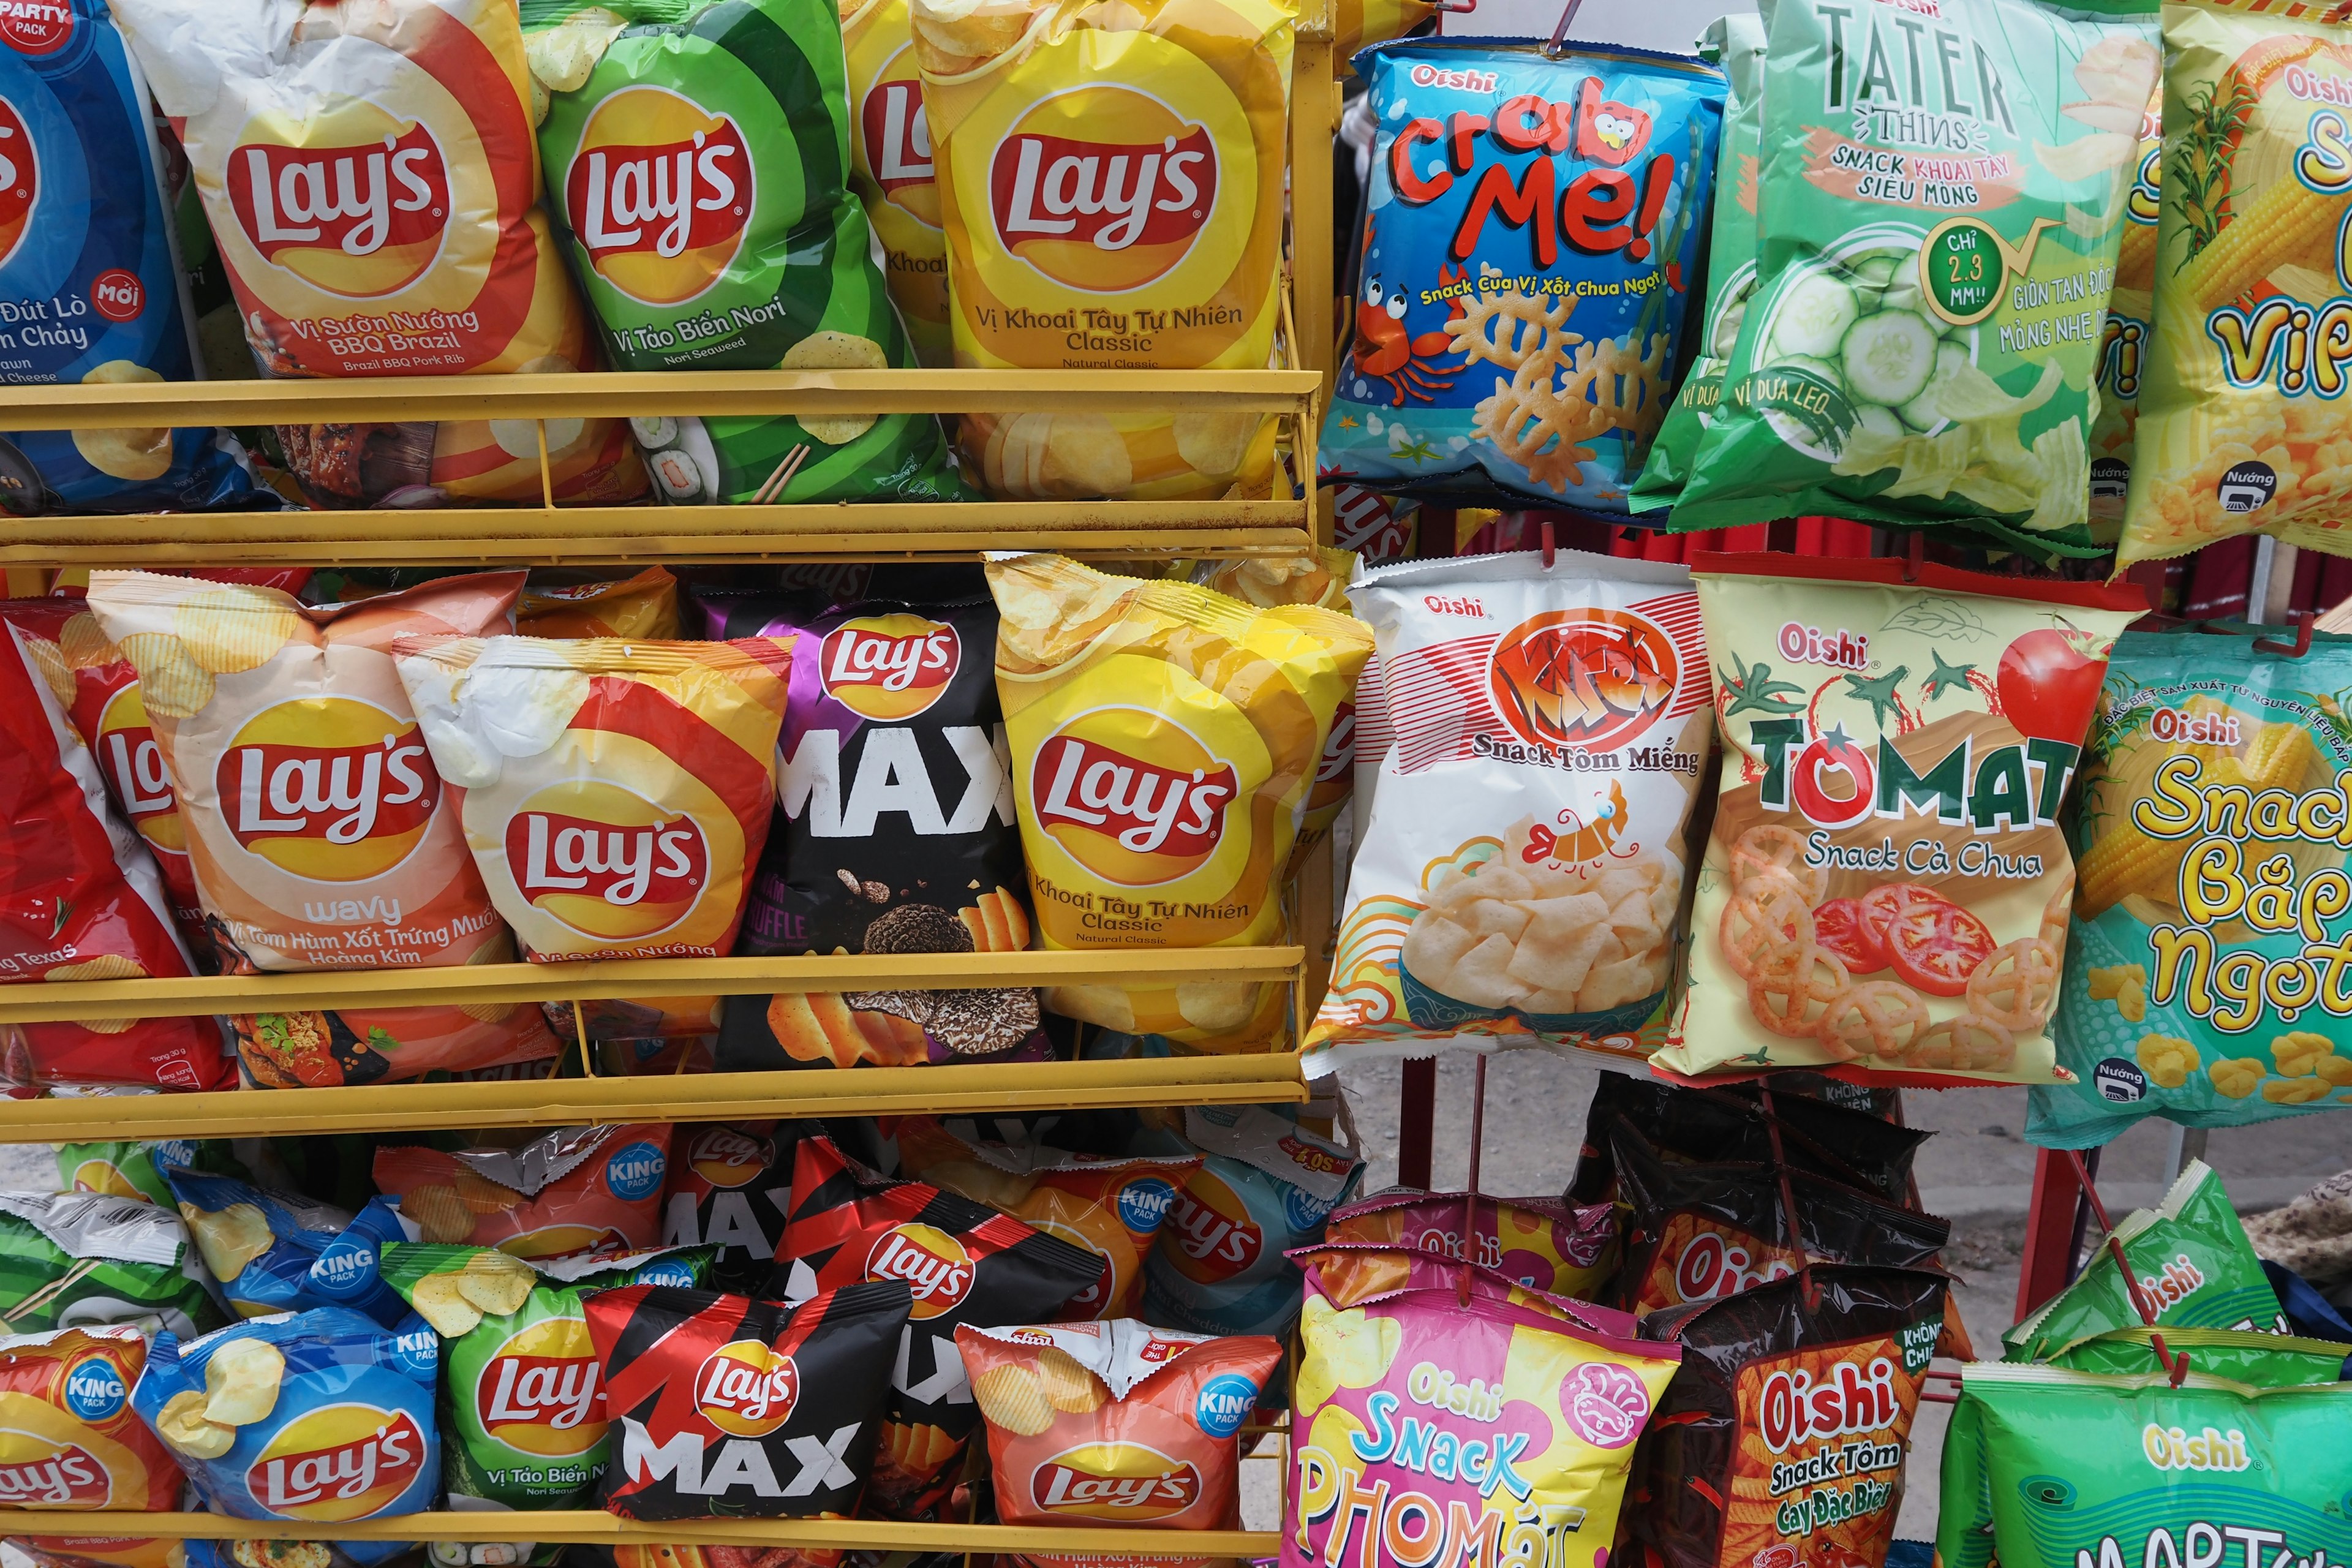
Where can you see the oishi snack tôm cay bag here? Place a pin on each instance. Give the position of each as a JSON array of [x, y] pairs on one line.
[[1543, 1243], [83, 900], [1885, 886], [697, 167], [1111, 179], [893, 171], [82, 1258], [1532, 233], [316, 825], [370, 178], [1519, 879], [1164, 740], [73, 1440], [280, 1252], [2211, 832], [576, 1188], [1935, 252]]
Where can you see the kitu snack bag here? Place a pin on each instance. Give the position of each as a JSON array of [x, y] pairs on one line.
[[1533, 227], [1935, 248], [698, 169], [1885, 887]]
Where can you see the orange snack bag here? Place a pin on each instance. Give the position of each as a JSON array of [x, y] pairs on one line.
[[567, 603], [574, 1189]]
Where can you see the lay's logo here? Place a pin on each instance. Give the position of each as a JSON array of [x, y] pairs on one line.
[[1125, 1483], [605, 861], [726, 1158], [331, 789], [338, 1462], [126, 749], [898, 137], [889, 668], [35, 1471], [540, 1391], [747, 1388], [1215, 1236], [20, 179], [1138, 184], [933, 1264], [659, 195], [1129, 820], [1590, 678], [382, 201]]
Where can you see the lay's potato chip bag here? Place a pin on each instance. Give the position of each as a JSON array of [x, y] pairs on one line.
[[573, 603], [68, 1437], [892, 171]]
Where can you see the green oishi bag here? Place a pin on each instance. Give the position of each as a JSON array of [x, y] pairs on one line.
[[1941, 201], [72, 1258], [2074, 1469], [2193, 1262], [698, 160], [2267, 1361], [1735, 43]]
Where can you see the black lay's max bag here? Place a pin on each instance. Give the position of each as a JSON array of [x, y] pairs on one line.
[[728, 1189], [964, 1262], [729, 1406]]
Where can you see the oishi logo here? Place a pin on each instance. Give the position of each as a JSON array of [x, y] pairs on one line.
[[1591, 680], [605, 861], [747, 1389], [1136, 821], [659, 194], [899, 140], [1215, 1237], [39, 1471], [1795, 1410], [331, 789], [20, 179], [337, 1463], [361, 217], [1108, 211], [1712, 1267], [889, 668], [1124, 1482], [126, 749], [934, 1265], [541, 1393]]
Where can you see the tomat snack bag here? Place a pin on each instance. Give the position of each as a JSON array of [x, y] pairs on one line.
[[82, 901], [1885, 888], [1543, 1243], [964, 1262], [1165, 739], [1114, 1423], [576, 1189], [731, 1407], [371, 181]]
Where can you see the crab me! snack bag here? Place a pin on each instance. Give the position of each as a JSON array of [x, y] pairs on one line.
[[72, 1439], [1885, 887], [1110, 180], [576, 1188], [1520, 875], [892, 170], [1545, 1244], [1532, 226]]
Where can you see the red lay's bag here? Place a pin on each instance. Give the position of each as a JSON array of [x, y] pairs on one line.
[[577, 1189], [73, 1440], [386, 1045]]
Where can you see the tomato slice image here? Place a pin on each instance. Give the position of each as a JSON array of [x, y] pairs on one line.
[[1936, 950], [1843, 926], [1883, 905]]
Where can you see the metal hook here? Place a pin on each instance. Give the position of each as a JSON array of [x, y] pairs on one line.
[[1915, 554], [2302, 640], [1547, 546], [1553, 49]]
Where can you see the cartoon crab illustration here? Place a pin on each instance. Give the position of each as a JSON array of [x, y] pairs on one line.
[[1383, 352]]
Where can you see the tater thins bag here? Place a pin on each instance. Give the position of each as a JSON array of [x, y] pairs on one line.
[[316, 825], [71, 1439], [1114, 1423], [1730, 1122], [386, 1045], [964, 1262], [280, 1252], [81, 898], [1542, 1243], [371, 183], [1111, 179], [2212, 833], [1165, 739], [727, 1406], [559, 603], [1533, 227], [1521, 873], [1885, 887], [697, 170], [1782, 1437], [83, 1258], [893, 171], [1535, 1414], [1928, 314], [576, 1188]]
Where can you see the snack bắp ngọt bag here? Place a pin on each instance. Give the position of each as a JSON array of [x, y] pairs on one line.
[[1730, 1122], [1532, 229], [1110, 181], [1885, 887], [2125, 347], [387, 1044], [280, 1252], [893, 171], [1164, 740], [316, 825], [1927, 322], [1542, 1243], [641, 607], [576, 1188], [69, 1259], [1520, 875], [369, 179]]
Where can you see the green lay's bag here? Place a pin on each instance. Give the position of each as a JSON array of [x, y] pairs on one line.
[[72, 1258], [1941, 199], [697, 161], [2193, 1262], [2266, 1361], [134, 1170]]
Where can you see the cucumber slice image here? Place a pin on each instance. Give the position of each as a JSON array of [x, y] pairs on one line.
[[1888, 357], [1924, 412], [1902, 291], [1812, 365], [1878, 421], [1871, 276], [1814, 316]]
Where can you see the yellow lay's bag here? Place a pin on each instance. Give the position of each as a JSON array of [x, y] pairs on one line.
[[1110, 181], [1164, 740], [891, 169]]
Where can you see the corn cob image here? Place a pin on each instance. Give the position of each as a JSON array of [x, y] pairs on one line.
[[2290, 225]]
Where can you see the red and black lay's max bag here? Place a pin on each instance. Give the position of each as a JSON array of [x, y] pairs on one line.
[[965, 1263], [724, 1405], [728, 1188]]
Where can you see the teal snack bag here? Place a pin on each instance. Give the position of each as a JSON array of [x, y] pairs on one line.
[[1941, 203], [697, 159], [72, 1258], [2193, 1263]]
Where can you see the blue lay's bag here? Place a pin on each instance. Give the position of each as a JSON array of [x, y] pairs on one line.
[[90, 288], [276, 1252], [322, 1417], [1530, 241]]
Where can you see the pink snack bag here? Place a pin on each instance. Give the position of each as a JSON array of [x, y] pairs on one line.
[[1543, 1243]]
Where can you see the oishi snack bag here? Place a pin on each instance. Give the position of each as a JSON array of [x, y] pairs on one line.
[[75, 1258], [1520, 875], [83, 900], [73, 1441], [1349, 1272], [1110, 180], [1544, 1243], [1782, 1437], [2267, 1360], [1533, 226], [965, 1264], [2203, 978], [1730, 1122], [1114, 1423], [574, 1189], [1429, 1426], [698, 162], [729, 1406], [892, 171], [280, 1252], [1885, 887], [557, 602], [316, 825], [730, 1189], [2125, 349], [1164, 740]]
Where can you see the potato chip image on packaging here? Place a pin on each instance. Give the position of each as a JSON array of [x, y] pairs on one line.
[[1521, 875], [1164, 741], [560, 602], [280, 1252], [1172, 261], [893, 171], [315, 824]]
